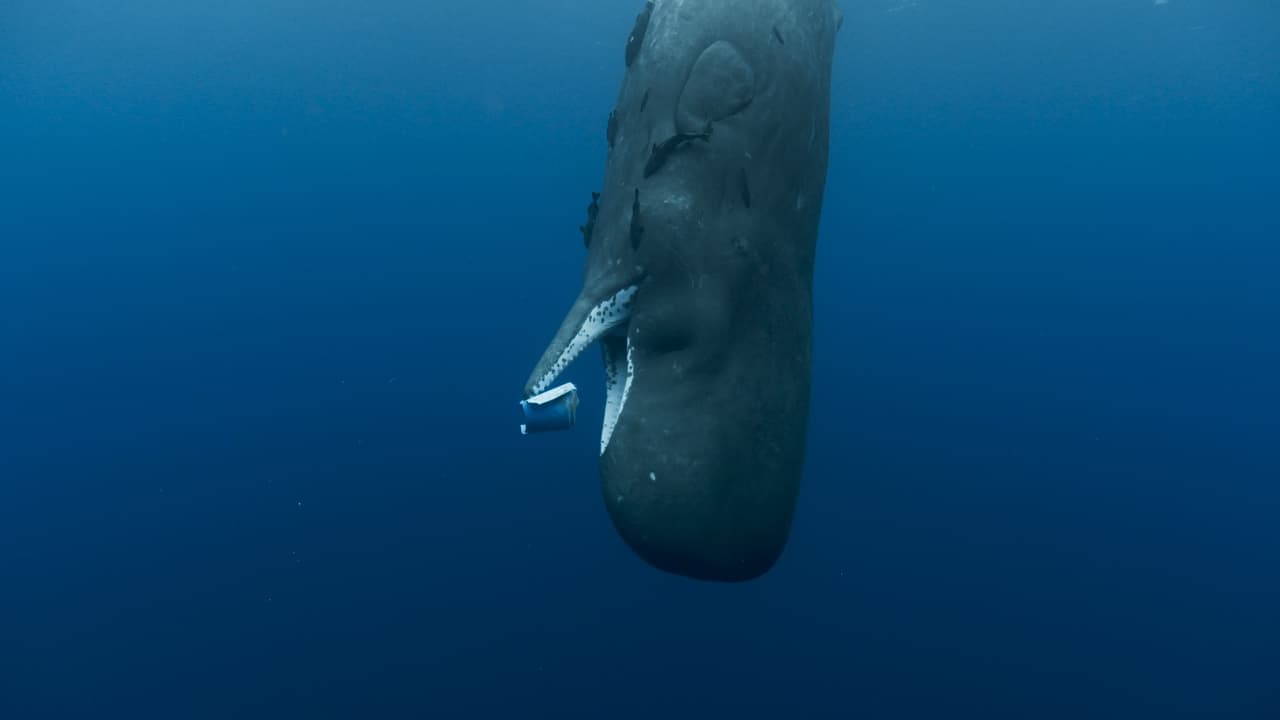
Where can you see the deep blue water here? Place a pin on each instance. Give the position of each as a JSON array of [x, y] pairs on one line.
[[272, 275]]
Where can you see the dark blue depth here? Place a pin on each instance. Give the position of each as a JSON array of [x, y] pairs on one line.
[[272, 275]]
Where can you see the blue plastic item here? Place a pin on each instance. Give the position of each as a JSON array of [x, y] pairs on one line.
[[555, 409]]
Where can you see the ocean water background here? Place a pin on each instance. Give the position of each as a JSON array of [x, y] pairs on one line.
[[272, 275]]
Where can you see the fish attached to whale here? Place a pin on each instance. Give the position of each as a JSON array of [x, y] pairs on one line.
[[698, 279]]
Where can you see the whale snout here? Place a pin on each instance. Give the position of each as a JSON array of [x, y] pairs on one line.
[[697, 498]]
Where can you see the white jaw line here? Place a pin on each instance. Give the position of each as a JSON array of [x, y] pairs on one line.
[[604, 317], [616, 391]]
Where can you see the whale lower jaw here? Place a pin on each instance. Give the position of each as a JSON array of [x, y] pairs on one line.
[[605, 322]]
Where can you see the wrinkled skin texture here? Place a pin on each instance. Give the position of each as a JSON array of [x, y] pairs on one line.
[[702, 471]]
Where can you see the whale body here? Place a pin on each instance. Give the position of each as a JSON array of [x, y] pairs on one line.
[[698, 279]]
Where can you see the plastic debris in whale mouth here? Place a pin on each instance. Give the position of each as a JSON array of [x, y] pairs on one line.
[[555, 409]]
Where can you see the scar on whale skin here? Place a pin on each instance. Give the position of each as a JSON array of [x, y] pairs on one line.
[[663, 150], [698, 279]]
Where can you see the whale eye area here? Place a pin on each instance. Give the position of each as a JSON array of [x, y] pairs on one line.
[[693, 320], [666, 337], [666, 328]]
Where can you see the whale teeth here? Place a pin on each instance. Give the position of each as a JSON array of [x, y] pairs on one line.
[[600, 320]]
